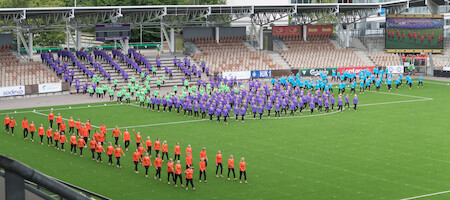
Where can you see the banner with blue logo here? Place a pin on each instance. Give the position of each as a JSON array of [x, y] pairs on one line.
[[262, 74]]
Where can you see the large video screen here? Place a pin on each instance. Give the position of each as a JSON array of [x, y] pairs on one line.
[[414, 33]]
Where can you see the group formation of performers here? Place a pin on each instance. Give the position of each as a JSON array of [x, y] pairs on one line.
[[141, 156]]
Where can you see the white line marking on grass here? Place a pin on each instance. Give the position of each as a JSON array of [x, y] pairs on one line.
[[392, 102], [403, 95], [80, 107], [160, 124], [38, 113], [426, 195]]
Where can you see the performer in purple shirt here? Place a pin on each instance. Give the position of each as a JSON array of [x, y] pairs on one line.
[[340, 102], [355, 101], [347, 101]]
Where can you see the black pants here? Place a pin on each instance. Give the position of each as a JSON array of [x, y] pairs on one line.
[[149, 150], [49, 140], [127, 143], [347, 104], [240, 175], [354, 108], [81, 150], [146, 170], [110, 159], [231, 169], [62, 145], [25, 132], [158, 172], [177, 156], [117, 140], [93, 153], [204, 174], [51, 123], [221, 168], [12, 130], [32, 135], [168, 176], [167, 155], [157, 152], [99, 156], [176, 178], [118, 161], [189, 181], [135, 165]]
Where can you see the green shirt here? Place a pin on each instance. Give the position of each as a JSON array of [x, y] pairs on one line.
[[158, 82], [186, 82], [133, 79], [163, 78], [115, 81], [127, 95], [175, 88]]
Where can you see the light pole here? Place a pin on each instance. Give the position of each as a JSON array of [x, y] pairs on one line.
[[75, 3]]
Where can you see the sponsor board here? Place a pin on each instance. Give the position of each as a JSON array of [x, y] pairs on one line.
[[446, 69], [12, 91], [237, 75], [261, 74], [354, 69], [396, 69], [50, 87], [316, 72], [286, 30], [319, 29]]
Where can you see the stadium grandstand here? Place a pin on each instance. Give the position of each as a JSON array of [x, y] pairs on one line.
[[341, 99]]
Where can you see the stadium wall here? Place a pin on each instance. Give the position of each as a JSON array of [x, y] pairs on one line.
[[6, 39], [6, 92], [201, 32]]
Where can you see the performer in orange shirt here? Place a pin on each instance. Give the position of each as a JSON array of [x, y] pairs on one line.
[[100, 149], [189, 150], [170, 171], [62, 140], [78, 126], [165, 150], [58, 120], [88, 126], [231, 167], [110, 151], [188, 160], [115, 134], [81, 144], [158, 164], [6, 122], [51, 117], [178, 174], [103, 129], [118, 153], [12, 124], [49, 136], [219, 163], [148, 144], [146, 162], [73, 144], [202, 165], [138, 139], [41, 131], [141, 150], [242, 170], [126, 139], [157, 146], [189, 175], [203, 155], [93, 147], [32, 129], [177, 151], [62, 127], [71, 125], [136, 159], [25, 128], [56, 138]]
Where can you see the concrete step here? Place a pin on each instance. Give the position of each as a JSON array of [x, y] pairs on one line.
[[365, 58], [278, 59]]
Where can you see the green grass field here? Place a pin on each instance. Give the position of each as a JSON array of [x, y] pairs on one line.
[[410, 43], [395, 146]]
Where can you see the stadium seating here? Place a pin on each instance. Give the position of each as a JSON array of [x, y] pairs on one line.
[[317, 52], [442, 60], [15, 72], [231, 54], [385, 59]]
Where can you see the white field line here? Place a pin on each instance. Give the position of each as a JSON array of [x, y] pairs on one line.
[[426, 195], [161, 124], [80, 107], [403, 95], [392, 102], [39, 113]]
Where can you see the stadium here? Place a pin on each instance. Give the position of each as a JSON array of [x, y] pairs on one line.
[[224, 99]]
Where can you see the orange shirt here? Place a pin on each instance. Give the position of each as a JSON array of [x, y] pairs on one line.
[[219, 158], [78, 124], [202, 165], [97, 137], [7, 120], [138, 138], [110, 150], [59, 119], [85, 132], [62, 127], [12, 123], [203, 154], [73, 140], [146, 161], [164, 148], [100, 148], [188, 150], [189, 173], [88, 125], [118, 152], [141, 150], [49, 132], [56, 136], [32, 128], [62, 139], [101, 137], [92, 144], [158, 162], [24, 124], [71, 123], [116, 133], [177, 150], [51, 116], [81, 143], [188, 160], [230, 163], [41, 131], [242, 166], [126, 136], [157, 145], [136, 156], [148, 143], [103, 129], [178, 169], [169, 167]]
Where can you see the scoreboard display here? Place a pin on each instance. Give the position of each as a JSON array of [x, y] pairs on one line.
[[112, 32]]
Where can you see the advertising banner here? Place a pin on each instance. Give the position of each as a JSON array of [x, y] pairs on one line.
[[261, 74], [446, 69], [50, 87], [286, 30], [354, 69], [316, 72], [238, 75], [395, 69], [12, 91], [319, 29]]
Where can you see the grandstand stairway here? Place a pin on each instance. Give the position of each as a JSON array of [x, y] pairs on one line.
[[278, 59], [364, 57]]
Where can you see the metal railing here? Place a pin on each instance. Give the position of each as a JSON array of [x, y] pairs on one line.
[[20, 178]]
